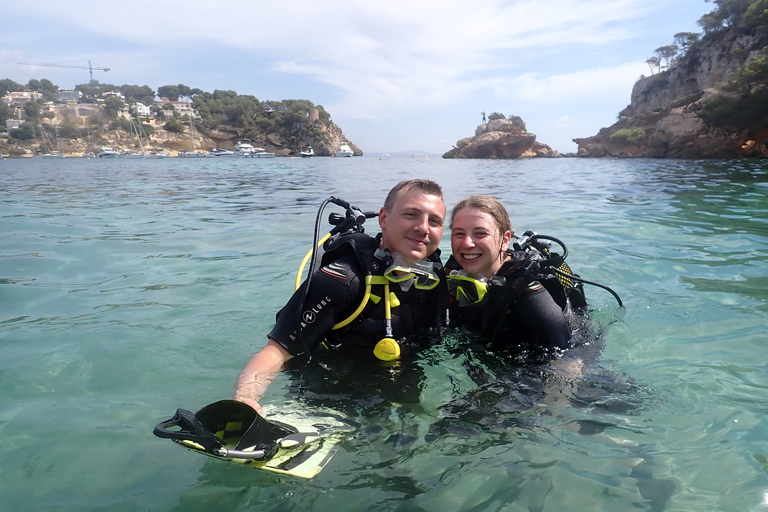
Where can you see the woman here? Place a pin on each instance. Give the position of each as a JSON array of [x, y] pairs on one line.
[[493, 291]]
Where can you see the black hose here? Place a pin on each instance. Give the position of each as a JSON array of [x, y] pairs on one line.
[[558, 242], [579, 279], [312, 261]]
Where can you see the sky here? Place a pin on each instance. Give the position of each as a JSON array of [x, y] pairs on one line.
[[395, 76]]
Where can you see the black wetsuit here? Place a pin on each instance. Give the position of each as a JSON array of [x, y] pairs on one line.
[[517, 320], [337, 289]]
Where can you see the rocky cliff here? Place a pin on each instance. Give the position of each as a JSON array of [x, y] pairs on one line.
[[664, 118], [501, 138]]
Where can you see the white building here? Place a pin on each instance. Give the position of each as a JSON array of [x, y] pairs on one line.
[[140, 109], [183, 108], [65, 95], [20, 98], [113, 94]]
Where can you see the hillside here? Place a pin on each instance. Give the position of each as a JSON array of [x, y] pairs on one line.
[[708, 101], [107, 115]]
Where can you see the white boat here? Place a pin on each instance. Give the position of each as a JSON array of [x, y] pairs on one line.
[[191, 154], [244, 148], [220, 152], [344, 150], [142, 153], [107, 152], [308, 153], [89, 153], [261, 153], [129, 153], [52, 153]]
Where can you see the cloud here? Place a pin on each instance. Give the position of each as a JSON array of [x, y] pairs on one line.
[[381, 56], [602, 84], [396, 60]]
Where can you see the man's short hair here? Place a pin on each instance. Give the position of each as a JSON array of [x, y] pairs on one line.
[[427, 187]]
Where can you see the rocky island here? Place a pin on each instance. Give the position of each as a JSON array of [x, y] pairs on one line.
[[501, 138]]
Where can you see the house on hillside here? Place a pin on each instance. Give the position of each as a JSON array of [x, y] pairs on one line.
[[14, 99], [65, 95], [140, 109], [113, 94], [183, 108]]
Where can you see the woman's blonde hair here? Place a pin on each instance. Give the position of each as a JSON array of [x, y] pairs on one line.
[[488, 205]]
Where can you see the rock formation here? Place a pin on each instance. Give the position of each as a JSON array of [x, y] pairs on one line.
[[662, 120], [502, 139]]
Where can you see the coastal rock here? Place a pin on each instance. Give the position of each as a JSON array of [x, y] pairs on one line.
[[663, 112], [501, 139], [205, 139]]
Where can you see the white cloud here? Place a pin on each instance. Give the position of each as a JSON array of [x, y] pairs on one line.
[[603, 84], [386, 55], [371, 60]]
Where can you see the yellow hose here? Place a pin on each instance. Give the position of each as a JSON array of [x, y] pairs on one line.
[[306, 259]]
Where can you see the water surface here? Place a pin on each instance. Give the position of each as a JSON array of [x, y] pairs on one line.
[[131, 288]]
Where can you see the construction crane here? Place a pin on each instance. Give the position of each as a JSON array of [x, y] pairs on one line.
[[90, 67]]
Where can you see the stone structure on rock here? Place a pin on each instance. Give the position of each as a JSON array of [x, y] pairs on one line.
[[664, 107], [502, 139]]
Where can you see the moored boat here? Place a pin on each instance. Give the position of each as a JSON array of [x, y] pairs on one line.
[[107, 152], [344, 150], [243, 147], [261, 153], [129, 153], [191, 154], [220, 152], [308, 153]]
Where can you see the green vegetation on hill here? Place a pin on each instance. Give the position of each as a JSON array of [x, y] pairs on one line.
[[287, 119], [628, 135], [743, 102]]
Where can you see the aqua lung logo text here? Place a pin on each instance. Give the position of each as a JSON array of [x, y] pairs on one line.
[[310, 315]]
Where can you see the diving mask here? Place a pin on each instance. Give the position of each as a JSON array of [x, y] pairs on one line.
[[419, 274], [467, 288]]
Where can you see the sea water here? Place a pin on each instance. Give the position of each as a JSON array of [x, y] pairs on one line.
[[129, 289]]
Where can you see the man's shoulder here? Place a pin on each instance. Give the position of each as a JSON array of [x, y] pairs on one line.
[[353, 250]]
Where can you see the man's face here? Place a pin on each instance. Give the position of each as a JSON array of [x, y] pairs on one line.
[[414, 226]]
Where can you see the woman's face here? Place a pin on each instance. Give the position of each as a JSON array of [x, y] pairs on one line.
[[476, 243]]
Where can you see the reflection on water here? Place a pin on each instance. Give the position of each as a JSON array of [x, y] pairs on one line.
[[128, 289]]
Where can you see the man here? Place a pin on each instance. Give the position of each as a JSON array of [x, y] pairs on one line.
[[335, 314]]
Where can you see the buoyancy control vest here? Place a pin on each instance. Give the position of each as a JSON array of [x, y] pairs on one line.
[[529, 270], [415, 312]]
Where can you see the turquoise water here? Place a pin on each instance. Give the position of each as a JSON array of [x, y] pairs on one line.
[[131, 288]]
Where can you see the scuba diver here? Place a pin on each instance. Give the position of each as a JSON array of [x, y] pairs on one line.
[[365, 298], [512, 291]]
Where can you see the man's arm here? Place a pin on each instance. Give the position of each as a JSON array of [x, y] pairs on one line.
[[329, 298], [259, 373]]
